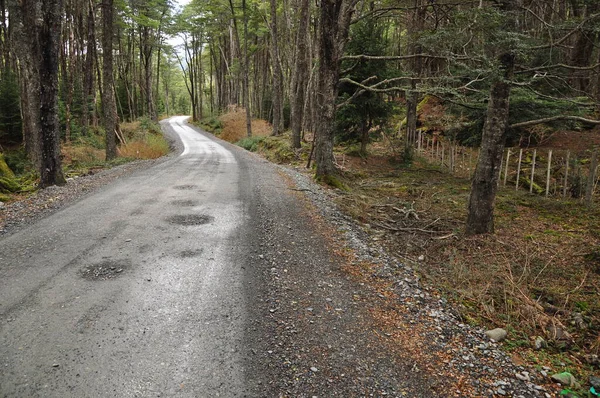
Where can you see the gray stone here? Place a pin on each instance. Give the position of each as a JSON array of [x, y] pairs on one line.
[[540, 343], [595, 382], [566, 379], [497, 334]]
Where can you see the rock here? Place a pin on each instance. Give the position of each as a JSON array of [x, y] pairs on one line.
[[2, 205], [595, 382], [497, 334], [421, 257], [314, 369], [578, 321], [592, 359], [566, 379], [55, 365], [540, 343], [557, 333], [524, 376], [501, 391]]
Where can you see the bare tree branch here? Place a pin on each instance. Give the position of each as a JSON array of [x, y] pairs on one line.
[[548, 67], [552, 119]]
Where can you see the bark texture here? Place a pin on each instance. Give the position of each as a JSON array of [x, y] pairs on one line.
[[335, 19], [485, 181], [300, 75], [109, 107], [37, 28]]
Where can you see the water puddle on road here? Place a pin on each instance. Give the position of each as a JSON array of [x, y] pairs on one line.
[[187, 187], [104, 270], [184, 203], [191, 253], [190, 219]]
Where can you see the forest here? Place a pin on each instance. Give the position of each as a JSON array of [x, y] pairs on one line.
[[325, 75]]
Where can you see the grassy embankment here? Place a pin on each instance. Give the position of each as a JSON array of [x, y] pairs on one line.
[[84, 155]]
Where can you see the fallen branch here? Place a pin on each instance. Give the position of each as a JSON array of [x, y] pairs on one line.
[[426, 231]]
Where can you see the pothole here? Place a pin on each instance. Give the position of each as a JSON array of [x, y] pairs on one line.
[[187, 187], [104, 270], [190, 219], [191, 253], [184, 203]]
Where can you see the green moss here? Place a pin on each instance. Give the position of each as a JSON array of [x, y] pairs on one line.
[[5, 171], [277, 149], [332, 181], [8, 185]]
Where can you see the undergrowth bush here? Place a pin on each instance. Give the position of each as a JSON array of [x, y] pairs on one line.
[[250, 143], [152, 146], [277, 149]]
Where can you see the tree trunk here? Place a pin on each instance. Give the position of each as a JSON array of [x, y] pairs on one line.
[[48, 37], [277, 75], [245, 71], [335, 19], [300, 75], [412, 98], [109, 108], [89, 95], [480, 218], [22, 33]]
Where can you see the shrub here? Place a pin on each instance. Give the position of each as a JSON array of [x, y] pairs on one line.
[[250, 143]]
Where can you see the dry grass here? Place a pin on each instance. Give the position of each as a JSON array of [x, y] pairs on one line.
[[79, 155], [234, 126], [539, 275], [151, 146]]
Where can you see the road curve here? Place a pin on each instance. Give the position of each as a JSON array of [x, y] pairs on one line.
[[139, 289]]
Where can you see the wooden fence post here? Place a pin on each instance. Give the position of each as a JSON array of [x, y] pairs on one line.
[[519, 169], [589, 190], [566, 175], [548, 173], [506, 168], [532, 171], [443, 150]]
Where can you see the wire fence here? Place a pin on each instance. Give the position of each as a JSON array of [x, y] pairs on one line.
[[542, 171]]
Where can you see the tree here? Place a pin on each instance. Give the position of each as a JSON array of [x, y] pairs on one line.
[[277, 75], [109, 106], [300, 77], [37, 27], [334, 24], [362, 110]]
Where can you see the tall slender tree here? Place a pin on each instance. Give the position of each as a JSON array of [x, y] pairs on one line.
[[109, 106]]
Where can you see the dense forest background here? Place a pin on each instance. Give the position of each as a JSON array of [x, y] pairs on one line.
[[344, 71], [84, 82]]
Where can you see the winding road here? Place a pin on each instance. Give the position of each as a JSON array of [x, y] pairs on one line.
[[137, 290]]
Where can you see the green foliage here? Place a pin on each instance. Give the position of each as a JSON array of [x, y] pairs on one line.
[[333, 181], [8, 183], [10, 111], [16, 160], [149, 125], [368, 109], [277, 149], [250, 143], [212, 124]]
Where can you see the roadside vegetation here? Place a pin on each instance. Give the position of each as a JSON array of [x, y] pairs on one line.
[[85, 154], [538, 276]]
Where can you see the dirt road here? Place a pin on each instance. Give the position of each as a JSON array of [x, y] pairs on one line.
[[211, 274]]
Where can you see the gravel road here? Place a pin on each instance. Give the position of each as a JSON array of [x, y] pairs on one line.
[[215, 273]]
